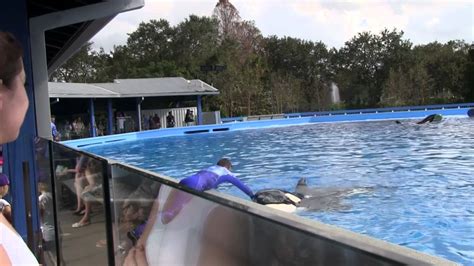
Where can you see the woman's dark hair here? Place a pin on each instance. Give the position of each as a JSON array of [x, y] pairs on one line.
[[10, 57], [224, 162]]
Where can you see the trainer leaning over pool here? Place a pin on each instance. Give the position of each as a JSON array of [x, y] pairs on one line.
[[214, 176]]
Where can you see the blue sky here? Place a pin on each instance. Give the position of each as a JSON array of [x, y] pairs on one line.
[[329, 21]]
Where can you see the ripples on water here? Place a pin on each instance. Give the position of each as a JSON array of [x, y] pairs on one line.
[[422, 175]]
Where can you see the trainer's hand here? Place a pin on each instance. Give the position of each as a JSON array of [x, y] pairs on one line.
[[253, 198]]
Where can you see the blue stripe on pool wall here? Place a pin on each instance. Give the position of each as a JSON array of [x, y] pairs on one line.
[[352, 116]]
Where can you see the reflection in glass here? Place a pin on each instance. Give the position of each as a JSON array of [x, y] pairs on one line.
[[45, 200], [80, 204], [161, 225]]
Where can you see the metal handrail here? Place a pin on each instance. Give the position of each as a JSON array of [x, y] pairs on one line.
[[357, 111]]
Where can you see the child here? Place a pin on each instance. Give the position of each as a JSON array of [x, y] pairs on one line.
[[5, 207]]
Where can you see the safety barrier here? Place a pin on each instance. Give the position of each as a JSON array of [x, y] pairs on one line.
[[137, 215]]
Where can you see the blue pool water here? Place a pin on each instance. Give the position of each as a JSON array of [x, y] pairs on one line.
[[420, 177]]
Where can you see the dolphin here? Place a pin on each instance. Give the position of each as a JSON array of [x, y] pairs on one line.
[[431, 118], [323, 203], [311, 199], [324, 199], [303, 190]]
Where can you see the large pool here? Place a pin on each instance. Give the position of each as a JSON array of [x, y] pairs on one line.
[[420, 177]]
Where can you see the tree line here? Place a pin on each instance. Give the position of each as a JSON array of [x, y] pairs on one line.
[[265, 75]]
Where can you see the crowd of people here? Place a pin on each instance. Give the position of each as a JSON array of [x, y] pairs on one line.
[[67, 130], [154, 121], [80, 128]]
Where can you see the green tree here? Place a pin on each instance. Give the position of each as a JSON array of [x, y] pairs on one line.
[[307, 62], [410, 85], [446, 65], [195, 40], [363, 65], [149, 50], [285, 92], [79, 68], [468, 92]]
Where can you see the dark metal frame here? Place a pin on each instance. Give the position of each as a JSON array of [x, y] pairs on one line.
[[55, 207]]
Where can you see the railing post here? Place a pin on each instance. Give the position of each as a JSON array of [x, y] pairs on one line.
[[28, 208]]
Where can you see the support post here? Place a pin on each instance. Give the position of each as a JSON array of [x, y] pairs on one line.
[[199, 110], [110, 118], [92, 118], [139, 112]]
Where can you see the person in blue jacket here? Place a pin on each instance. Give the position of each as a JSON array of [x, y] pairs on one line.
[[209, 178], [213, 176]]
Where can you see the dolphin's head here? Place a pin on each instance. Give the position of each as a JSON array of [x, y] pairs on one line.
[[302, 182], [301, 188]]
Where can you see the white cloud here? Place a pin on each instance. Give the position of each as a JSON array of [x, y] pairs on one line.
[[432, 22], [115, 33], [332, 22], [345, 21], [422, 21], [252, 9]]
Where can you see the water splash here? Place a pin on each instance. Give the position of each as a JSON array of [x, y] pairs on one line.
[[335, 97]]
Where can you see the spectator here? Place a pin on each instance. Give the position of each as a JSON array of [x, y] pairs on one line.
[[5, 207], [92, 192], [67, 130], [54, 130], [101, 129], [80, 127], [74, 126], [189, 118], [145, 123], [156, 121], [45, 201], [79, 178], [151, 124], [121, 122], [170, 120]]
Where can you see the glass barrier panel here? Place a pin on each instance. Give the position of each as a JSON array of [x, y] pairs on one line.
[[45, 201], [132, 196], [162, 225], [81, 215]]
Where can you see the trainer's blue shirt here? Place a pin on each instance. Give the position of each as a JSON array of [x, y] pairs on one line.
[[212, 177]]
